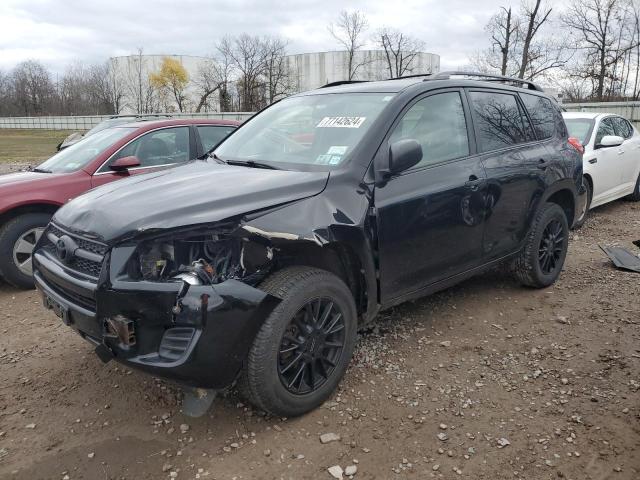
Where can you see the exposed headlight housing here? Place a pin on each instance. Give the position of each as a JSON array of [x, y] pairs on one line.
[[198, 258]]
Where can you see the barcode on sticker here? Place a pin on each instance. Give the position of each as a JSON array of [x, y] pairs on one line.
[[341, 122]]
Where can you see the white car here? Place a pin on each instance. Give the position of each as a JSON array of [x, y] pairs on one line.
[[611, 158]]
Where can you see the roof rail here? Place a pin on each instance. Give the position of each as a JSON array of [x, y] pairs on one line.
[[342, 82], [415, 75], [487, 77]]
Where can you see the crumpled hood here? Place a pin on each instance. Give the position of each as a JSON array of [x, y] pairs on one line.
[[195, 193]]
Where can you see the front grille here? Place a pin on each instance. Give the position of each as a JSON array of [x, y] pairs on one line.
[[85, 266], [73, 297]]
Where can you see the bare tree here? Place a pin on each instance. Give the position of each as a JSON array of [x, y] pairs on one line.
[[6, 94], [208, 80], [105, 88], [226, 69], [400, 51], [248, 56], [32, 87], [575, 89], [635, 40], [533, 17], [520, 45], [112, 85], [72, 90], [278, 77], [503, 28], [349, 31], [547, 54], [595, 23]]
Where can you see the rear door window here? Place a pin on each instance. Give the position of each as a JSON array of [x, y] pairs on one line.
[[499, 120], [212, 135], [542, 114]]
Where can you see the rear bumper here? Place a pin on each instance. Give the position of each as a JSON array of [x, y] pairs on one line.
[[202, 344]]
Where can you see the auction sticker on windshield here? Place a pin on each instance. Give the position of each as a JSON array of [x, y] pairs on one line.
[[341, 122]]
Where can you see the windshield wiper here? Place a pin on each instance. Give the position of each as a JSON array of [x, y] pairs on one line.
[[215, 157], [250, 164], [41, 170]]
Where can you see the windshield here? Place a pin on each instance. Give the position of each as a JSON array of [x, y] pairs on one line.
[[77, 156], [318, 130], [579, 128]]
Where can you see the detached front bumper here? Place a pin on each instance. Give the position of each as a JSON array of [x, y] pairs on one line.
[[203, 343]]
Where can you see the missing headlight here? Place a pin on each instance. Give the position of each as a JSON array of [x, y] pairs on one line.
[[212, 258]]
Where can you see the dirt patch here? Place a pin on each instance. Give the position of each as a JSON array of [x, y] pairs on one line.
[[486, 380]]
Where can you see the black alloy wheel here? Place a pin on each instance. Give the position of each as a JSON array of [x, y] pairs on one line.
[[304, 346], [311, 346], [540, 261], [551, 247]]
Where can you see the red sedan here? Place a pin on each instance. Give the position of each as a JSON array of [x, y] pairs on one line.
[[29, 199]]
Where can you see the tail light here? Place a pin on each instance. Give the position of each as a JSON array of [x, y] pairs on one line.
[[575, 143]]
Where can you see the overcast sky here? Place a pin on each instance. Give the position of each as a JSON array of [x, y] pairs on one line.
[[58, 32]]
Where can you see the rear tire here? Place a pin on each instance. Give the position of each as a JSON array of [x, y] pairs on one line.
[[295, 362], [589, 195], [635, 196], [539, 263], [16, 236]]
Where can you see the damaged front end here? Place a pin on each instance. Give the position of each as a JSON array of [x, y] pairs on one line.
[[181, 305]]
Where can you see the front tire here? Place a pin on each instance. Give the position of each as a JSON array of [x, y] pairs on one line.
[[304, 347], [539, 263], [17, 239]]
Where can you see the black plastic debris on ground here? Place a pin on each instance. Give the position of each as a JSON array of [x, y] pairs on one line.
[[623, 258]]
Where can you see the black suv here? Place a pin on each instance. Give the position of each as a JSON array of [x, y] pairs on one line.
[[260, 263]]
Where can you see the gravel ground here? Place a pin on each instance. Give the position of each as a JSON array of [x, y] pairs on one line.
[[486, 380], [12, 167]]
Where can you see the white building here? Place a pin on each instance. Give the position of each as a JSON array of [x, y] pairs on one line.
[[313, 70], [307, 71]]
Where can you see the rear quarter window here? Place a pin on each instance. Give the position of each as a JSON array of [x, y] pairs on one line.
[[499, 120], [542, 114]]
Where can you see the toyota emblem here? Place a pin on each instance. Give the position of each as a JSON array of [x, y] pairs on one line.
[[65, 248]]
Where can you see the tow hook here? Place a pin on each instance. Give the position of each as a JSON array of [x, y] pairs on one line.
[[121, 328], [197, 401]]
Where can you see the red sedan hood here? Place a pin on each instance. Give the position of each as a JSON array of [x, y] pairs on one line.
[[22, 177]]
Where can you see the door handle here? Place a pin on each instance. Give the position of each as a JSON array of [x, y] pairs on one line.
[[542, 164], [620, 152], [593, 160]]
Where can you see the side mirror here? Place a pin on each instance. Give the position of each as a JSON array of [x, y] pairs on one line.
[[403, 155], [610, 141], [125, 163]]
